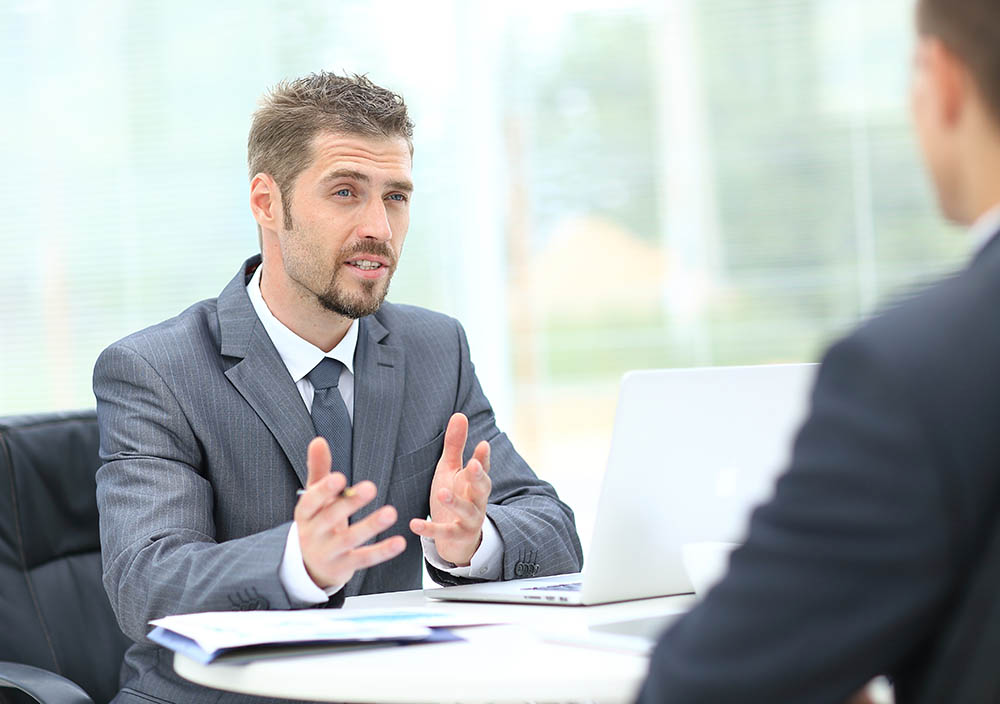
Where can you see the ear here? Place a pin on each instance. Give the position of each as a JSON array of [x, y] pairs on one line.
[[950, 80], [265, 202]]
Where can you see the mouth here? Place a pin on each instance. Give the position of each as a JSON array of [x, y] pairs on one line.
[[368, 266]]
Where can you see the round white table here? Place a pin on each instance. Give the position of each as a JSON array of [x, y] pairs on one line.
[[530, 658]]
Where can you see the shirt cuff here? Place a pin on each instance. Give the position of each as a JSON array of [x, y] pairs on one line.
[[486, 563], [293, 576]]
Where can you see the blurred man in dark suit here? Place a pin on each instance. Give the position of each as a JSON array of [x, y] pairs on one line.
[[858, 565]]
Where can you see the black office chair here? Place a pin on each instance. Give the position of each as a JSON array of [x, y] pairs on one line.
[[59, 641]]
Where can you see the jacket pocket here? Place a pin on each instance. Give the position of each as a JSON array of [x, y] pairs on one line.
[[418, 466], [409, 489]]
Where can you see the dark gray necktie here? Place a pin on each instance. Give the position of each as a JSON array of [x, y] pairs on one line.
[[329, 414]]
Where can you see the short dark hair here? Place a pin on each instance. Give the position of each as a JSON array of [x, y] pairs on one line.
[[971, 29], [293, 112]]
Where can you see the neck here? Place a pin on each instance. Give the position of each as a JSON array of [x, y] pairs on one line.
[[979, 168], [984, 195], [299, 311]]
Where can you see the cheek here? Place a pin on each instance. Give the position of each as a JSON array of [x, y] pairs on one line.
[[921, 119], [399, 225], [918, 102]]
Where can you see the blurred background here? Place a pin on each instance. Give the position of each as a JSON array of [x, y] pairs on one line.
[[602, 185]]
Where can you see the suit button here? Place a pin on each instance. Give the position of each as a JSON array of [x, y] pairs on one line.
[[249, 600], [519, 569]]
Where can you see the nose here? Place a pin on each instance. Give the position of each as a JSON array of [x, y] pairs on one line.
[[375, 222]]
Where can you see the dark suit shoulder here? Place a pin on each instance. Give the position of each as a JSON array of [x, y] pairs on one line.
[[933, 357], [939, 327]]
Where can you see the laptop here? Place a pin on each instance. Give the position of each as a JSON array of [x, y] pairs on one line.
[[692, 453]]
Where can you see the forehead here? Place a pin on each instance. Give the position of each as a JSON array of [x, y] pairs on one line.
[[377, 157]]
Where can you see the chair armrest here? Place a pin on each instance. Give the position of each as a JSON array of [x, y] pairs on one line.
[[43, 686]]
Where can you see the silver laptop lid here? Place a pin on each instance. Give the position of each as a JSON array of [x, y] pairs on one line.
[[693, 451]]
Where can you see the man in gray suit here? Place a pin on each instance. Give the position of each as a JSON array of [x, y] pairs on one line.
[[212, 421]]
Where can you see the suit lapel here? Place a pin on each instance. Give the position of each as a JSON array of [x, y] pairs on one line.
[[262, 379], [379, 373], [378, 403], [265, 384], [260, 376]]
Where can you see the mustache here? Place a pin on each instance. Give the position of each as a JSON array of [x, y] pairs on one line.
[[375, 247]]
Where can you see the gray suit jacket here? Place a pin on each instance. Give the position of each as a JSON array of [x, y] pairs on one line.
[[203, 438]]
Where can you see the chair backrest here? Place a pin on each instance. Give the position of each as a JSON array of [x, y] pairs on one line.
[[54, 610]]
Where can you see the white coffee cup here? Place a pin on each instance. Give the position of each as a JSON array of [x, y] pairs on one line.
[[706, 563]]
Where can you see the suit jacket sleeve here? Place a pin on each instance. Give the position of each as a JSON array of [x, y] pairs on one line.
[[538, 530], [842, 573], [156, 509]]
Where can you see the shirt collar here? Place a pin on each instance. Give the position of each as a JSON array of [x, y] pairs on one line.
[[984, 229], [300, 356]]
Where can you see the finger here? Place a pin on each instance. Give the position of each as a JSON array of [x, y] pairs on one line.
[[371, 555], [473, 483], [468, 514], [337, 513], [482, 453], [435, 530], [319, 496], [363, 531], [454, 441], [318, 460], [479, 487]]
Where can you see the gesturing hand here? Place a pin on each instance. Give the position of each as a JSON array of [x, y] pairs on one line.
[[329, 544], [458, 497]]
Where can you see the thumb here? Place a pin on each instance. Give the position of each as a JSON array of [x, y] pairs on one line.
[[318, 460], [454, 441]]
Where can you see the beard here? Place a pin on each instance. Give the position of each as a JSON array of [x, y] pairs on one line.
[[343, 294], [358, 304]]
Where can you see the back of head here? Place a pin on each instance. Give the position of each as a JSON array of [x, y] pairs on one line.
[[971, 30], [293, 112]]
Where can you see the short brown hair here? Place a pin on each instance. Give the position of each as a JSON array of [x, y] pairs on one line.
[[292, 112], [971, 29]]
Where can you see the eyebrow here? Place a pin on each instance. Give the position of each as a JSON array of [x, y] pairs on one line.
[[364, 178]]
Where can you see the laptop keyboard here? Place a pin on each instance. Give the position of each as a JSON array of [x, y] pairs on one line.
[[568, 587]]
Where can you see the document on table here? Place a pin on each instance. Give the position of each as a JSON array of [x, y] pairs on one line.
[[206, 636]]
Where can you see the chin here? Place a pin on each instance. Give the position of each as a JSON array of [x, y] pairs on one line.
[[353, 307]]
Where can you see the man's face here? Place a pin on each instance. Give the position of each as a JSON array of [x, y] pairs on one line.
[[349, 213]]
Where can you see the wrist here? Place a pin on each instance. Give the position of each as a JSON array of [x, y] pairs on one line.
[[471, 553]]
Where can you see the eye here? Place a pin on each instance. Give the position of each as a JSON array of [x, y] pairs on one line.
[[343, 193], [398, 197]]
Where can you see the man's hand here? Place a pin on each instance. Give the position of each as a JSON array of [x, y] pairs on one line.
[[458, 497], [878, 691], [329, 545], [861, 697]]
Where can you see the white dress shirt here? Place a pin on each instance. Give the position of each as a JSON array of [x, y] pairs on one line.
[[985, 227], [300, 357]]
